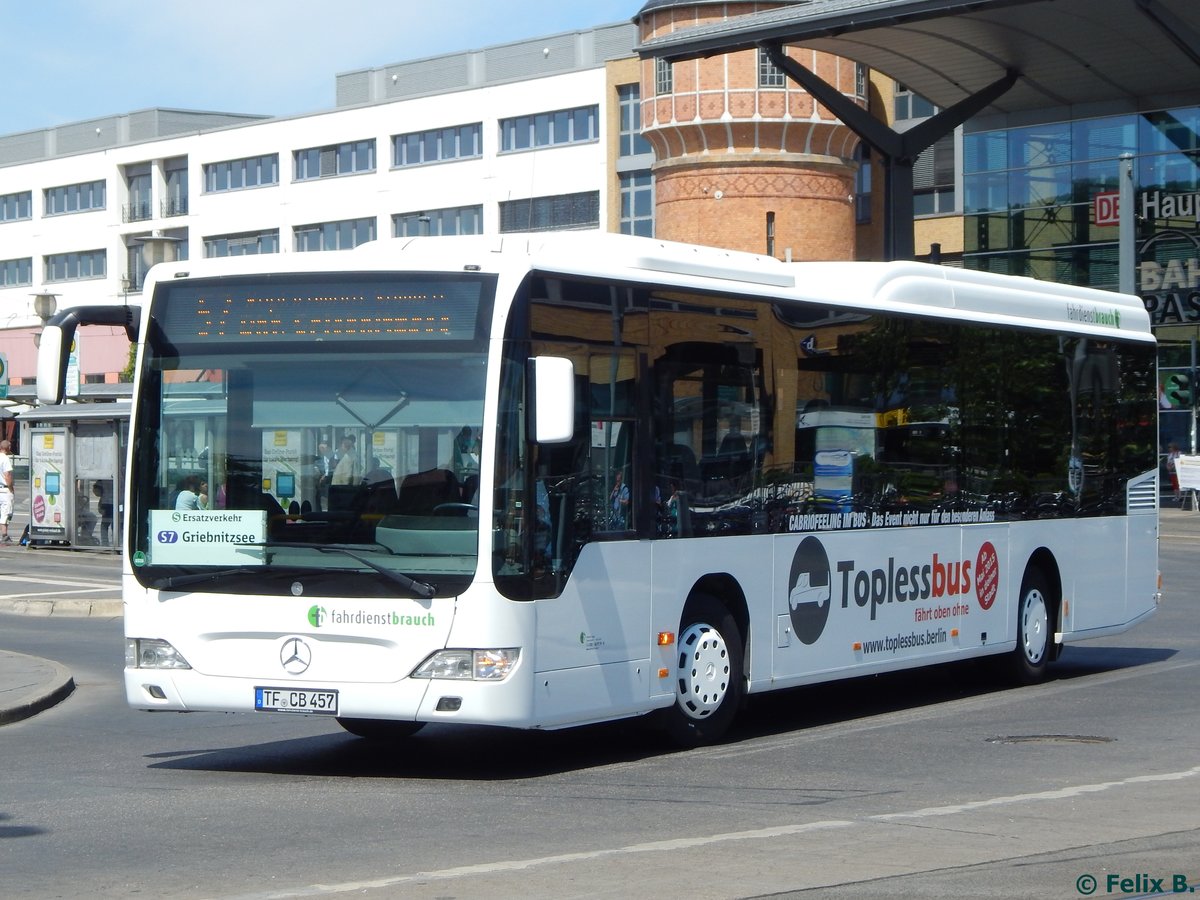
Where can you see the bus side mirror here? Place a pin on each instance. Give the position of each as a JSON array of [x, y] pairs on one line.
[[54, 349], [553, 399]]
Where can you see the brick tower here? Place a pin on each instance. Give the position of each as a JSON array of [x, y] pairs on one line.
[[745, 158]]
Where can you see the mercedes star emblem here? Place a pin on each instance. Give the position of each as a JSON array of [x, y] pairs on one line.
[[295, 655]]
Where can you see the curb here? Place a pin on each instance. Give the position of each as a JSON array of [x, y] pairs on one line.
[[51, 691], [110, 609]]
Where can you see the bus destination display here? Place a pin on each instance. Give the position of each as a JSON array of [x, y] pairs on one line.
[[304, 311]]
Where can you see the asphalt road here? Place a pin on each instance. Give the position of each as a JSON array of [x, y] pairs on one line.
[[928, 784]]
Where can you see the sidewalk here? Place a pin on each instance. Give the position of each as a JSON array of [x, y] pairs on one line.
[[29, 685]]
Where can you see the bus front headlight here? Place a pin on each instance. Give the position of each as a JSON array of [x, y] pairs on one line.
[[470, 665], [151, 653]]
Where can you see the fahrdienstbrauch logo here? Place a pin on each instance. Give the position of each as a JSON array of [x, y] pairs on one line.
[[319, 616], [936, 586]]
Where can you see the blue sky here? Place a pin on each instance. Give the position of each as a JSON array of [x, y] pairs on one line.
[[69, 60]]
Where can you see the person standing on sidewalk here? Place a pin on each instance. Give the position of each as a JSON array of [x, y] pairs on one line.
[[6, 491]]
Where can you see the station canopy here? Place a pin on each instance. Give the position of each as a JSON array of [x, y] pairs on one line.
[[1071, 58]]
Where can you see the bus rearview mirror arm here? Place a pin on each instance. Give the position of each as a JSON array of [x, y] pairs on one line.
[[54, 349]]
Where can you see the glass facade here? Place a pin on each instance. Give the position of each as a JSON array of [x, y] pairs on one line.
[[72, 198], [420, 148], [75, 266], [236, 174], [15, 207], [1039, 200], [349, 158], [344, 235], [250, 243], [16, 272], [550, 129], [450, 221]]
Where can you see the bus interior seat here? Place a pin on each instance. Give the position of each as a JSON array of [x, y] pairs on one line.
[[681, 466], [421, 492], [381, 496], [470, 489]]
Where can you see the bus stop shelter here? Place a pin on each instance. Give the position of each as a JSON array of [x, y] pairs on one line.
[[76, 473]]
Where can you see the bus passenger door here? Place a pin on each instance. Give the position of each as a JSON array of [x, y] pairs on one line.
[[592, 594]]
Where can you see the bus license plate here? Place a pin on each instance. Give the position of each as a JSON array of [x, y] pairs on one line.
[[296, 700]]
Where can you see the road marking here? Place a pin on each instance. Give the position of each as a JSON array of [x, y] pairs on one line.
[[675, 845], [1066, 793], [43, 594], [95, 584]]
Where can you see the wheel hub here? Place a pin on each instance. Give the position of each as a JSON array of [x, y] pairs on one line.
[[703, 670]]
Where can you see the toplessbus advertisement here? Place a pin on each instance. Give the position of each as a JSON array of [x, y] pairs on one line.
[[851, 601]]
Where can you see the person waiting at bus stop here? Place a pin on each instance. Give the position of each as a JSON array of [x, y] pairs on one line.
[[6, 490]]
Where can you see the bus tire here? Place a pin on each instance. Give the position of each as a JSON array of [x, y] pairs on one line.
[[381, 729], [708, 672], [1034, 616]]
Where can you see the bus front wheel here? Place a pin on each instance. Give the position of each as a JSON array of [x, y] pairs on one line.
[[380, 729], [1033, 629], [709, 680]]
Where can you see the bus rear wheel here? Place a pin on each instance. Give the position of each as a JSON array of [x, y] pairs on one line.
[[709, 678], [381, 729], [1028, 661]]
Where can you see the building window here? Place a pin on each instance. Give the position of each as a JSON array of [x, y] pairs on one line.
[[769, 74], [176, 202], [911, 106], [860, 80], [16, 272], [137, 180], [629, 99], [15, 207], [862, 185], [73, 198], [76, 266], [250, 243], [439, 145], [344, 235], [350, 158], [565, 211], [451, 221], [564, 126], [933, 179], [637, 203], [664, 77], [236, 174]]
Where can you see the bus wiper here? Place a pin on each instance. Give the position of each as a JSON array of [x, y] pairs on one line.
[[177, 581], [422, 589]]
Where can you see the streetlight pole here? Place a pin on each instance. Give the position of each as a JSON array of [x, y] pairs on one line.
[[156, 248], [45, 305]]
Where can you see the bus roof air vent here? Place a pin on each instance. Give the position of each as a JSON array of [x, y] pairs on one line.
[[713, 269]]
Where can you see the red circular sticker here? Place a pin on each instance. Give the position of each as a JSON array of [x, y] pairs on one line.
[[39, 508], [987, 575]]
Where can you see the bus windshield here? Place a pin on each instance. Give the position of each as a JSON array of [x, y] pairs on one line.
[[319, 429]]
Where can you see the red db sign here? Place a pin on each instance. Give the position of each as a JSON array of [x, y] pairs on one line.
[[1106, 208]]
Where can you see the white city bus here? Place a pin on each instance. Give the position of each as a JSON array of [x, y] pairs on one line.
[[583, 477]]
